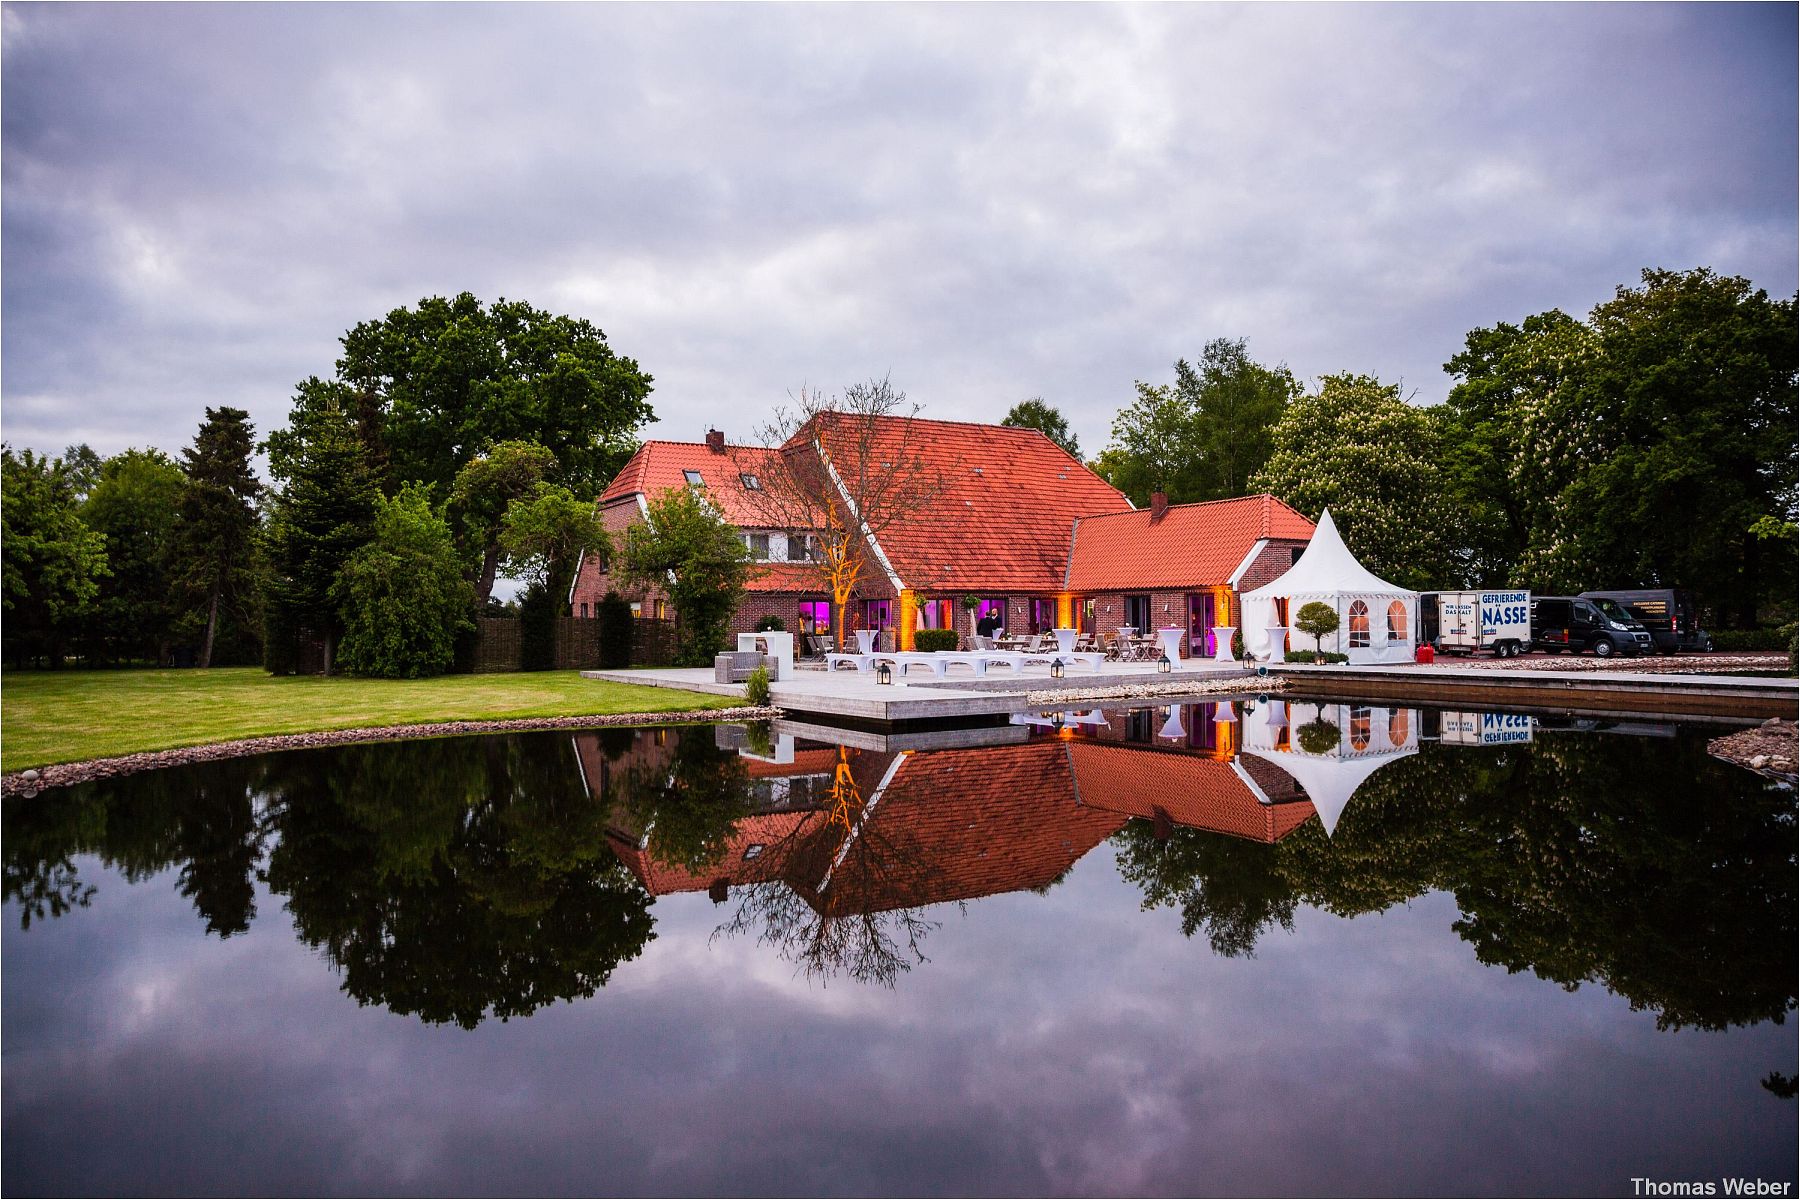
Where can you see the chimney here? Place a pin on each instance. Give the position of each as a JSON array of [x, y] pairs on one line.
[[715, 441], [1159, 504]]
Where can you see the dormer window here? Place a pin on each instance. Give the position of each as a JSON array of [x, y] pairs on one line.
[[751, 483], [693, 479]]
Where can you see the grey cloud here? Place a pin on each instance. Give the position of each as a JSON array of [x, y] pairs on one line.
[[990, 203]]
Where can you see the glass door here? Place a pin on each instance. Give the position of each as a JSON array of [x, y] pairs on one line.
[[1201, 611]]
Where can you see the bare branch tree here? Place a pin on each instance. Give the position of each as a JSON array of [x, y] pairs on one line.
[[846, 468]]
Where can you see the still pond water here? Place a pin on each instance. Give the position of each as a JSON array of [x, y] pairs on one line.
[[1208, 949]]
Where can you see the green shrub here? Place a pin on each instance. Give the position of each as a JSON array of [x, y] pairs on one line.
[[928, 640], [614, 633], [1306, 656], [537, 629], [1754, 639], [771, 624], [402, 594], [756, 688]]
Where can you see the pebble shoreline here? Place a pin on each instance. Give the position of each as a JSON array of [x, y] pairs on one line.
[[1771, 749], [33, 780]]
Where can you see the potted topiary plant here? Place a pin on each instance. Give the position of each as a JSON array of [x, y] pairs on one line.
[[1318, 619]]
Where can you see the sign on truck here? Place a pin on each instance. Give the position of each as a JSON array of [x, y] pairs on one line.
[[1496, 621], [1485, 728]]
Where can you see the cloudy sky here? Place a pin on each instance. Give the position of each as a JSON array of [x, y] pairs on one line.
[[987, 203]]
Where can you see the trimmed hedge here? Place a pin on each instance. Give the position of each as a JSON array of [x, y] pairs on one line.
[[1306, 656], [1753, 639], [929, 640], [770, 624]]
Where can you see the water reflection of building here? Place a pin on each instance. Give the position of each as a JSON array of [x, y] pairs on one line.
[[856, 829]]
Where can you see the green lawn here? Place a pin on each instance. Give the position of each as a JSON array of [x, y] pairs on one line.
[[67, 716]]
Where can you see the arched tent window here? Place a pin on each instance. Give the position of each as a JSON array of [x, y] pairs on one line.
[[1397, 621], [1359, 728], [1398, 720], [1359, 623]]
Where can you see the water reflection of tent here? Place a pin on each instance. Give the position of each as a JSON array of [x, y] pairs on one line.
[[1327, 572], [1368, 738]]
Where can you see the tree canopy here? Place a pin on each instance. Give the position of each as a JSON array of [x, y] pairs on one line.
[[1357, 448], [1047, 420], [1638, 449], [687, 549], [402, 594], [218, 525], [1203, 437], [439, 383], [51, 563]]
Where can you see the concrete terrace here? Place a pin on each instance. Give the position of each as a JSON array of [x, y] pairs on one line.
[[917, 697], [855, 696]]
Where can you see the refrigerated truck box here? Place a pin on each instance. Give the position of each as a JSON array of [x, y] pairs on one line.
[[1495, 621]]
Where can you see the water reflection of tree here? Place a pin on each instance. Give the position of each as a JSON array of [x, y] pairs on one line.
[[1640, 865], [690, 799], [202, 819], [456, 879], [839, 907]]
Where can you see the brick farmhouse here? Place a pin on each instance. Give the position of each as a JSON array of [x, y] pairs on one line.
[[1022, 526]]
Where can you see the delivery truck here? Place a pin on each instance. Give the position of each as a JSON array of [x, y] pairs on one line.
[[1499, 622]]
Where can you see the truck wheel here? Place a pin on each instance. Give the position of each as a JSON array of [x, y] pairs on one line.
[[1604, 648]]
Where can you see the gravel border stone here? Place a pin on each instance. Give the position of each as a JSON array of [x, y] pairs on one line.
[[33, 780], [1772, 749]]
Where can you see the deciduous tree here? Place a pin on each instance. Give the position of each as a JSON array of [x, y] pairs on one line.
[[848, 467], [687, 549], [402, 595], [1357, 448], [449, 377], [135, 506], [1035, 414], [51, 563]]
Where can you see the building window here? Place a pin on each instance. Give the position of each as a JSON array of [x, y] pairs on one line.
[[878, 614], [1043, 615], [753, 850], [600, 563], [584, 608], [1137, 613], [662, 610], [1087, 616], [802, 547], [637, 608], [815, 616], [990, 616], [693, 479], [759, 545], [751, 483], [1295, 553], [1397, 621], [935, 614], [1359, 623]]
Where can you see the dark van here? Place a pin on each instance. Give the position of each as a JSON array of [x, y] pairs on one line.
[[1668, 613], [1578, 624]]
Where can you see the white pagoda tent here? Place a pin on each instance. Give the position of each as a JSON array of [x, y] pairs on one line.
[[1369, 738], [1376, 620]]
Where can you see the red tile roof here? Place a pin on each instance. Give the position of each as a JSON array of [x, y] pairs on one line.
[[960, 824], [787, 577], [1202, 793], [1191, 545], [1003, 523], [658, 466]]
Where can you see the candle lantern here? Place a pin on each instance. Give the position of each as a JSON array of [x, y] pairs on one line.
[[884, 673], [1056, 668], [1163, 664]]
